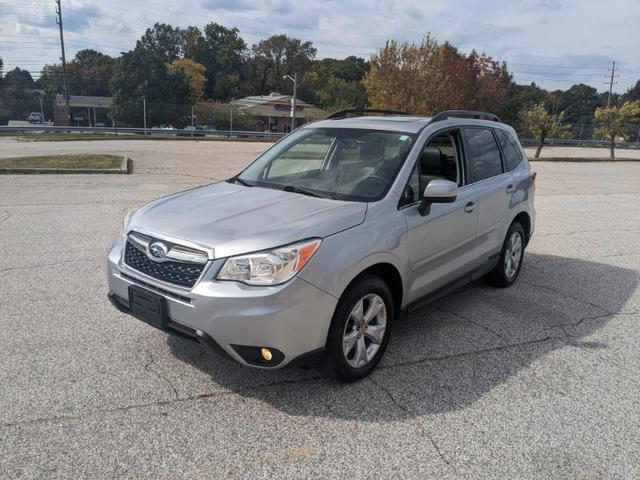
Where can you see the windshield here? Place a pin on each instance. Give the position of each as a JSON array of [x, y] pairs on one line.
[[339, 163]]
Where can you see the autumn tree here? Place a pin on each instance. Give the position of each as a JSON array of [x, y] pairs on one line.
[[543, 125], [427, 78], [195, 73], [616, 122]]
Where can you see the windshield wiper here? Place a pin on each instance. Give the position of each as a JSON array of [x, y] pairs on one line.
[[241, 182], [303, 191]]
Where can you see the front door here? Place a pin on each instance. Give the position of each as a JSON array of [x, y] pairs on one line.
[[441, 244]]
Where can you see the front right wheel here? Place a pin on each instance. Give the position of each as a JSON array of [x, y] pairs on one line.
[[360, 330], [508, 268]]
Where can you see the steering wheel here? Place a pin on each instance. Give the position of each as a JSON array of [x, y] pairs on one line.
[[369, 183]]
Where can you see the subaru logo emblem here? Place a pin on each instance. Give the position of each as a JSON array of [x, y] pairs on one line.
[[158, 250]]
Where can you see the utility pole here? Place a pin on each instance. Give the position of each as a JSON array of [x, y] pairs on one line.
[[144, 113], [613, 72], [65, 88]]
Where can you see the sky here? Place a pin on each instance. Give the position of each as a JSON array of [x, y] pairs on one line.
[[555, 43]]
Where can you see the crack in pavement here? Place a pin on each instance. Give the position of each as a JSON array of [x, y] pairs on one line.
[[7, 217], [250, 388], [573, 297], [411, 417], [160, 376], [575, 232]]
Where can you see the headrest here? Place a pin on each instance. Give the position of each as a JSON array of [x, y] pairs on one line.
[[432, 161], [372, 148]]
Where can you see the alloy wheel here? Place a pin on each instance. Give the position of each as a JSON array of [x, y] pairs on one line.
[[364, 330], [513, 254]]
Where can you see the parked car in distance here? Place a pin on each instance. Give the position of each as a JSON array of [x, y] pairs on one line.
[[34, 117], [310, 254]]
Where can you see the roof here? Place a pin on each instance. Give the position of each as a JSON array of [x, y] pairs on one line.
[[85, 101], [400, 123], [277, 105]]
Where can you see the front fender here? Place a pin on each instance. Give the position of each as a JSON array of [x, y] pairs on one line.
[[381, 239]]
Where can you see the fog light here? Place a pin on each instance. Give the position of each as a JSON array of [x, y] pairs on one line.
[[266, 354]]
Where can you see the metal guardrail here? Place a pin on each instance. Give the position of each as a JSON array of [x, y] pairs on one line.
[[140, 131], [527, 142], [532, 142]]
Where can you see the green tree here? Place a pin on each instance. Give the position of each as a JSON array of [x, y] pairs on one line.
[[141, 74], [543, 125], [162, 40], [17, 94], [222, 51], [275, 57], [632, 94], [517, 99], [614, 122], [579, 104], [324, 86]]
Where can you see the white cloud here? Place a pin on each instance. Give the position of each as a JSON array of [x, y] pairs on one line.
[[538, 38]]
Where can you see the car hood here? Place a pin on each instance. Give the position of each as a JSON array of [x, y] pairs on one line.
[[232, 219]]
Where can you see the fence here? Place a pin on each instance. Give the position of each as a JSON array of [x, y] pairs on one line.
[[188, 132], [167, 132]]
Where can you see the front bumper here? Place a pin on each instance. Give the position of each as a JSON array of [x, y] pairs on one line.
[[224, 317]]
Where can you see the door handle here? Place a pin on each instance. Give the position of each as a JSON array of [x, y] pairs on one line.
[[510, 189], [470, 207]]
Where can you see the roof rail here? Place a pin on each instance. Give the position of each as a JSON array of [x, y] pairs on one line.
[[464, 114], [360, 112]]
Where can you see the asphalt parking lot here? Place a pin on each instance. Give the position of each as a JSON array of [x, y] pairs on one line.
[[537, 381]]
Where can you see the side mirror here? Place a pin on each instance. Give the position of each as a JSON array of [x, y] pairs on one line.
[[437, 191]]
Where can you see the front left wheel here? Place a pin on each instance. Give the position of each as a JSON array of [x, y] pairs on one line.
[[360, 330]]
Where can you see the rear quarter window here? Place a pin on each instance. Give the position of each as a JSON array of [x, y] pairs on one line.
[[510, 149], [483, 154]]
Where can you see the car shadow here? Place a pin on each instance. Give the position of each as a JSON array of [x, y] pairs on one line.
[[448, 355]]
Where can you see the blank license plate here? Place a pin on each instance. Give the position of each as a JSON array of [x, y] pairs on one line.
[[148, 306]]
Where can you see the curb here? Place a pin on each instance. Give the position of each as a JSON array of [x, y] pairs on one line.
[[126, 167]]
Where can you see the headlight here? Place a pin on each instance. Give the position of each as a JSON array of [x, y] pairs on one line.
[[271, 267]]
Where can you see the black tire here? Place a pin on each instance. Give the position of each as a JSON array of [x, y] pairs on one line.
[[335, 364], [498, 276]]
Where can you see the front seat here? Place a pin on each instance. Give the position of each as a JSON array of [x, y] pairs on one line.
[[433, 164]]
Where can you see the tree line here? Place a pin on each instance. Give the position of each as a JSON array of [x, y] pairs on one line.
[[174, 69]]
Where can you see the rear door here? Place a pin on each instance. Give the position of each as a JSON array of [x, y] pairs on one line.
[[494, 186]]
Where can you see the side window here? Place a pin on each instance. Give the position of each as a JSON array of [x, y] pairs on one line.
[[305, 156], [511, 150], [483, 156]]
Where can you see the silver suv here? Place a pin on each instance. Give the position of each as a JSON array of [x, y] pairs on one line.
[[310, 255]]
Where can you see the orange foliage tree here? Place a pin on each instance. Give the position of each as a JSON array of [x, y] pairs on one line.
[[427, 78]]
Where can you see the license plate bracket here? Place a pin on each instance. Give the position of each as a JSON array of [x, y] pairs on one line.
[[148, 306]]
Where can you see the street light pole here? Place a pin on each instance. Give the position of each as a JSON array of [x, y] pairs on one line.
[[294, 79]]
